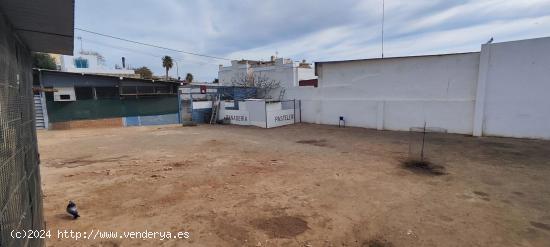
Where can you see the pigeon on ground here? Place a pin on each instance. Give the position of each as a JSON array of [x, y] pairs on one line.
[[71, 209]]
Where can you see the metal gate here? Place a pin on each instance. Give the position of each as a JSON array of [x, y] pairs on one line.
[[20, 192]]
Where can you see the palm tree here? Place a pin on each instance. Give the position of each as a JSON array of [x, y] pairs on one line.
[[189, 77], [167, 63]]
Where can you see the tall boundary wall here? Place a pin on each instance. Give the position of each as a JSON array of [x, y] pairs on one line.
[[513, 98], [500, 91]]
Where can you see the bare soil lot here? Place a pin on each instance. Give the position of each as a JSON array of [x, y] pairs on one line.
[[299, 185]]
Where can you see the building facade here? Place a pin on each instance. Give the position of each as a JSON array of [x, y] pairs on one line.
[[91, 64], [75, 100], [285, 72]]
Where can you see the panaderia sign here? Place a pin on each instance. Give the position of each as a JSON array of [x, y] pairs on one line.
[[237, 117]]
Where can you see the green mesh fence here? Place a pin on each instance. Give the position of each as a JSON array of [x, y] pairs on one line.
[[59, 111], [20, 192]]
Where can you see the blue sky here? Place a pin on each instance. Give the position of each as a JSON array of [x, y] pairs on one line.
[[315, 30]]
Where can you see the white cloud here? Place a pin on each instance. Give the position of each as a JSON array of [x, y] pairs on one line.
[[480, 10], [306, 29]]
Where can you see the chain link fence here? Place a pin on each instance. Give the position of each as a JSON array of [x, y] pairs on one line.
[[20, 191]]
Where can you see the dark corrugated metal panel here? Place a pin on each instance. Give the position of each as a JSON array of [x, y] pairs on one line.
[[43, 25]]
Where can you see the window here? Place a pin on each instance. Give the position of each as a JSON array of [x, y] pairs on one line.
[[129, 90], [107, 92], [83, 93], [145, 89], [162, 89], [81, 62], [65, 96], [308, 83]]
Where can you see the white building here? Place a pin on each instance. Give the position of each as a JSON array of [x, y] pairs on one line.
[[500, 91], [90, 64], [283, 70]]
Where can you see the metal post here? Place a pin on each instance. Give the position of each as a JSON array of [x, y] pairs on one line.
[[300, 104], [423, 139], [179, 106], [383, 17], [191, 100], [94, 92], [294, 106]]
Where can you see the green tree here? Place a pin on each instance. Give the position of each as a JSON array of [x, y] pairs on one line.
[[43, 61], [167, 63], [189, 78], [144, 72]]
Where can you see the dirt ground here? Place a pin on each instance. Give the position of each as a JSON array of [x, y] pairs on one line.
[[299, 185]]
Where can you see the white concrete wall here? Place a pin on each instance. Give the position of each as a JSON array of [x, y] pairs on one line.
[[284, 70], [202, 104], [394, 93], [277, 118], [226, 75], [514, 91], [256, 110], [64, 91], [283, 73], [258, 113], [305, 74], [94, 67], [502, 91], [286, 74], [238, 117]]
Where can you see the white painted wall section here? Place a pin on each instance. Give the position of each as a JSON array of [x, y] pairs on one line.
[[394, 93], [67, 63], [517, 94]]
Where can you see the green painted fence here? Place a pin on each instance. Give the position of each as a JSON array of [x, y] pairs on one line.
[[60, 111]]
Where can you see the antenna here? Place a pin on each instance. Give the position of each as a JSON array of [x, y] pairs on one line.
[[383, 16], [80, 38]]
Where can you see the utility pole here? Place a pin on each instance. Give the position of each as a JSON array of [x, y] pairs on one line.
[[177, 69], [383, 16], [80, 38]]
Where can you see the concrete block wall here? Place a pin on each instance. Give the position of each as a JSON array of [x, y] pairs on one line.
[[95, 123], [501, 91], [394, 93], [513, 90], [117, 122]]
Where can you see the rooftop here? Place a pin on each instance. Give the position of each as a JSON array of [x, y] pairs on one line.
[[107, 76]]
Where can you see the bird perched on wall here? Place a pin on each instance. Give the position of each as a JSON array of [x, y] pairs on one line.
[[490, 41], [71, 209]]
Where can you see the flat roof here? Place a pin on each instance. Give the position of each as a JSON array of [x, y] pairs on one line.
[[105, 76], [388, 58], [43, 25], [400, 57]]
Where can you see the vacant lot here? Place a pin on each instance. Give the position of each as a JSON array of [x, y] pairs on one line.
[[300, 185]]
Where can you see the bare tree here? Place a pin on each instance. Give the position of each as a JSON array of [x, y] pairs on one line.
[[257, 80]]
